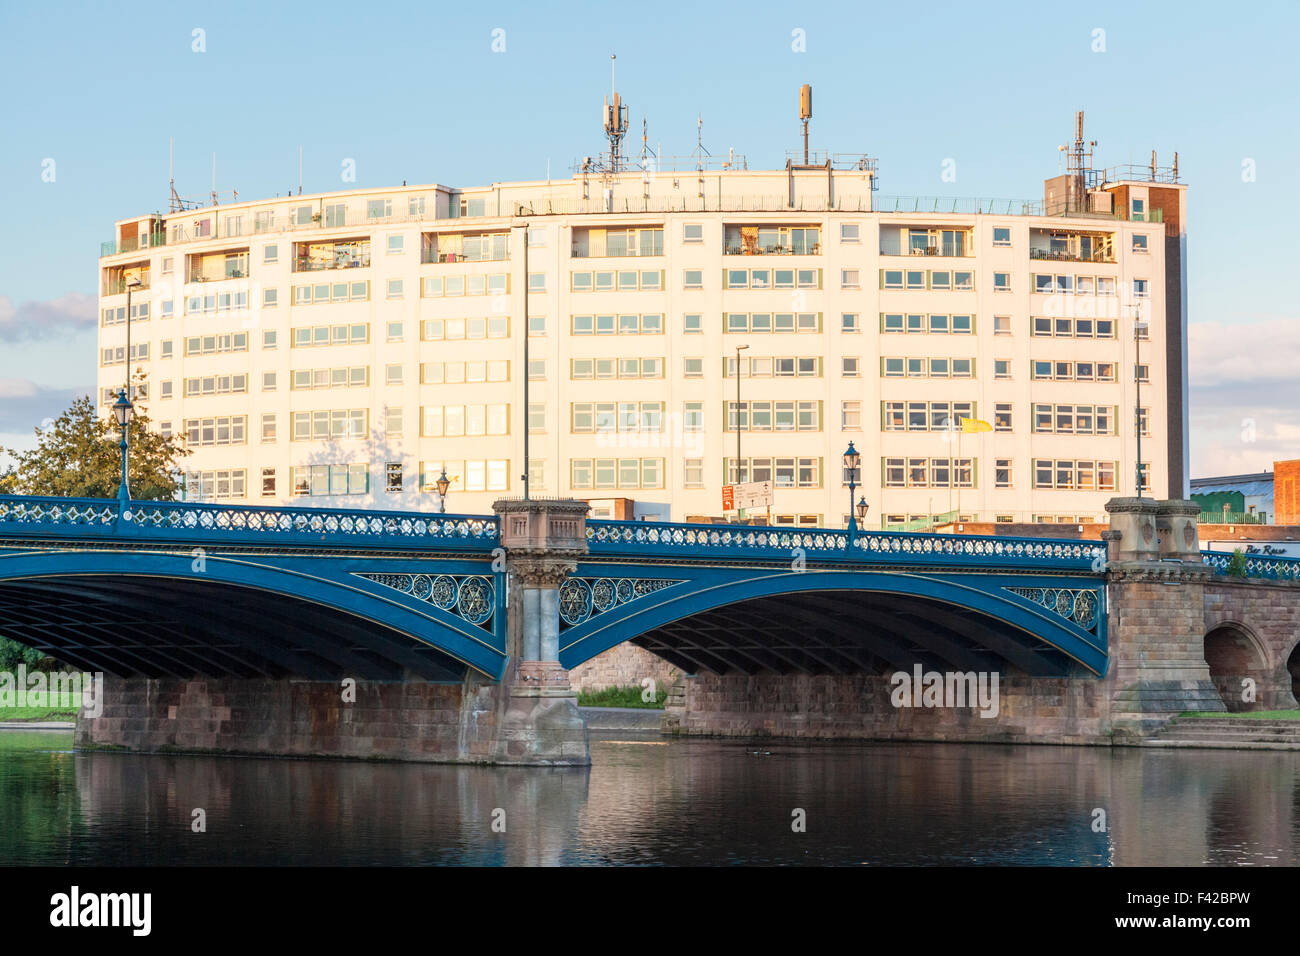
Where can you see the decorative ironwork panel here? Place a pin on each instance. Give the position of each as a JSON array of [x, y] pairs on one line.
[[471, 597], [1079, 605], [1257, 566], [584, 598]]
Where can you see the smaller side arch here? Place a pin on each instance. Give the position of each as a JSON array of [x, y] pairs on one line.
[[1242, 669]]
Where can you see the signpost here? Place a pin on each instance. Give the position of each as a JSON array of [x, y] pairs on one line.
[[746, 495]]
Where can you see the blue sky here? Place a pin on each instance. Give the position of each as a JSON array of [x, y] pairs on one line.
[[414, 92]]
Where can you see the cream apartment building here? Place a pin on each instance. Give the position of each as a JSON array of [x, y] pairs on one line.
[[343, 349]]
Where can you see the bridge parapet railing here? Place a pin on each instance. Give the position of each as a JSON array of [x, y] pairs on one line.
[[667, 539], [1257, 566], [193, 522]]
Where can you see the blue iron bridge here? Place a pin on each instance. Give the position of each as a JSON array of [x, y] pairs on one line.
[[176, 589]]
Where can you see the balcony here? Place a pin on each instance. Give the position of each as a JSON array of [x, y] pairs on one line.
[[897, 239], [595, 243], [465, 247], [772, 241], [117, 279], [321, 256], [215, 266], [1054, 245], [132, 244]]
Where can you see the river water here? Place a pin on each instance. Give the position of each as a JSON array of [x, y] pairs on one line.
[[648, 801]]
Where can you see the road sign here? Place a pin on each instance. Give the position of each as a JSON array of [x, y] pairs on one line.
[[728, 498], [753, 494]]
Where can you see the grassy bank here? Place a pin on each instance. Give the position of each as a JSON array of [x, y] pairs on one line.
[[34, 714], [621, 697], [1250, 715]]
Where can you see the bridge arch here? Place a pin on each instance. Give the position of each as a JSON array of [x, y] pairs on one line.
[[189, 613], [750, 620], [1235, 654]]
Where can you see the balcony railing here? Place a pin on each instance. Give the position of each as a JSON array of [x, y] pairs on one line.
[[132, 244], [118, 286], [946, 250], [429, 257], [1232, 517], [1051, 256], [739, 249], [304, 264]]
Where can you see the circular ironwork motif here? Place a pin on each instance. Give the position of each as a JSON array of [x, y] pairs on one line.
[[421, 586], [1064, 604], [475, 600], [1085, 609], [443, 592], [624, 591], [575, 601], [603, 595]]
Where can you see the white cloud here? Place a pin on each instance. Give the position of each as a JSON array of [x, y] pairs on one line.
[[67, 314], [26, 405]]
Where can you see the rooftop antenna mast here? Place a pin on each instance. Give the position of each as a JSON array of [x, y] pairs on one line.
[[1079, 164], [700, 151], [805, 114], [615, 121], [299, 169]]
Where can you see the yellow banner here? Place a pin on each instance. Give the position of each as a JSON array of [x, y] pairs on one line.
[[975, 425]]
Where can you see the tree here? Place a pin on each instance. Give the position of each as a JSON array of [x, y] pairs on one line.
[[79, 457]]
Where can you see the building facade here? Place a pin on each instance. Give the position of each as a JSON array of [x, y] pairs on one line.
[[346, 348]]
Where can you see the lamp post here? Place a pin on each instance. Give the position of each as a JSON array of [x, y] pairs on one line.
[[739, 349], [123, 411], [863, 508], [852, 460], [1139, 328], [443, 484], [131, 284], [523, 224]]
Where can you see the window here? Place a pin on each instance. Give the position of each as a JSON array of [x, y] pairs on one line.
[[393, 375], [1002, 473], [693, 473], [1139, 243], [1002, 282], [393, 477], [269, 339], [168, 309], [1071, 473], [1001, 325], [693, 416], [537, 417], [536, 369], [1139, 210], [324, 292], [268, 482], [783, 472], [849, 322], [587, 473], [850, 416], [415, 206], [693, 232], [227, 483], [692, 324], [216, 385], [166, 349], [329, 423], [850, 366], [167, 267], [228, 430], [1002, 368], [394, 288], [166, 392], [1140, 288], [849, 232], [693, 367], [270, 298], [692, 279], [342, 479], [536, 325], [1144, 374], [393, 422], [1074, 419], [268, 381], [1001, 236], [928, 472], [537, 282], [396, 245], [264, 221], [313, 336], [1002, 417], [394, 331], [767, 416], [268, 427], [923, 416], [1044, 326], [379, 208], [850, 279], [270, 254]]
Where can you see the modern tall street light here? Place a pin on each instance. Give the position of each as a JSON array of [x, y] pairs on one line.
[[739, 349], [852, 461], [1139, 330], [523, 224], [132, 284], [443, 484], [123, 412]]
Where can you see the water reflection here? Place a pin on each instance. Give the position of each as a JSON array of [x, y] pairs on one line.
[[646, 801]]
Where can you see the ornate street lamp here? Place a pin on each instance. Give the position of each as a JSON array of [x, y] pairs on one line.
[[123, 412], [863, 508], [852, 461], [443, 484]]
